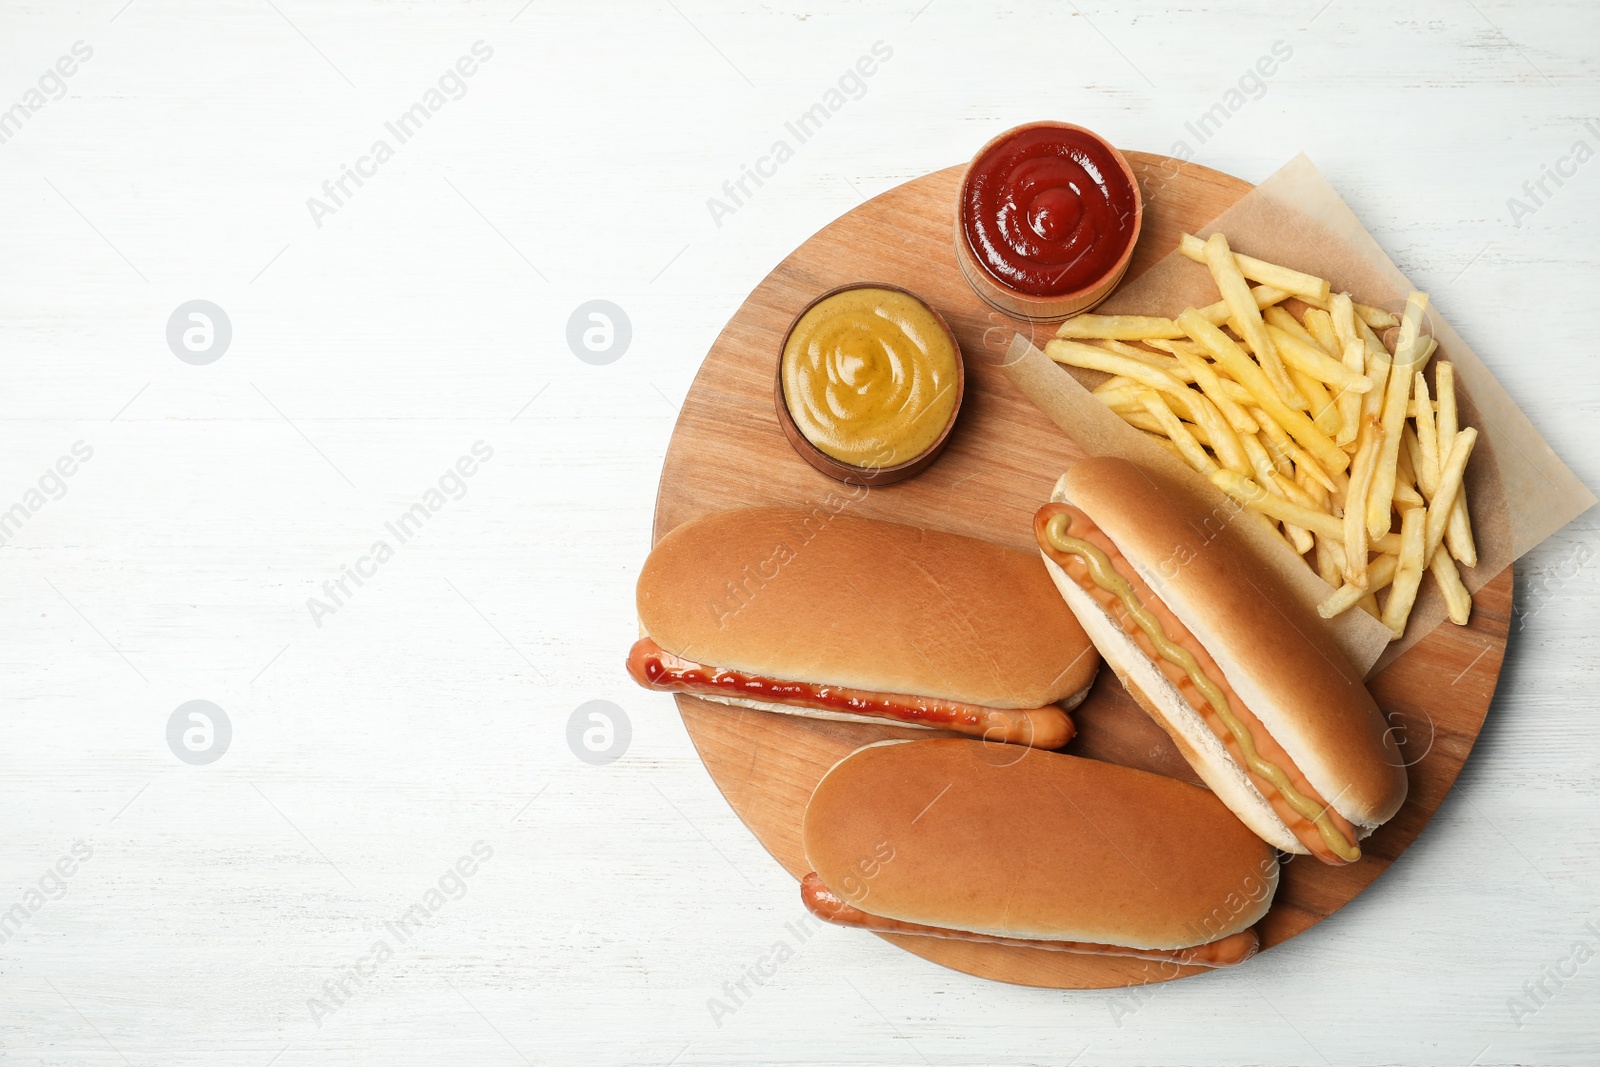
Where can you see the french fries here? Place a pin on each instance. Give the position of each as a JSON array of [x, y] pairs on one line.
[[1407, 572], [1265, 296], [1331, 441], [1380, 498], [1245, 317], [1307, 356], [1170, 425], [1314, 289], [1089, 357], [1458, 602], [1244, 370], [1379, 574], [1368, 444], [1458, 535], [1120, 327]]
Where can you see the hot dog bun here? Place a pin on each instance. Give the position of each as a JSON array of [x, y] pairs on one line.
[[966, 836], [1271, 649], [833, 599]]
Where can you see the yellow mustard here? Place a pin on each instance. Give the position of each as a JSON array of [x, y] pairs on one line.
[[869, 377], [1107, 578]]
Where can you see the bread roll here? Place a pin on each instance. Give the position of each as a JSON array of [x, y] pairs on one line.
[[834, 599], [1022, 843]]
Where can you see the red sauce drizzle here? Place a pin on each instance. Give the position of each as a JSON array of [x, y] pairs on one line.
[[655, 668]]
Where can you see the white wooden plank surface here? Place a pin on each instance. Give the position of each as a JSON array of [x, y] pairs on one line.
[[430, 711]]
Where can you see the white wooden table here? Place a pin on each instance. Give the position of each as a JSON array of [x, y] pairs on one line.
[[423, 713]]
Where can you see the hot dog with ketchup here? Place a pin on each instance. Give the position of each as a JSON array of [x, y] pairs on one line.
[[834, 616], [964, 840]]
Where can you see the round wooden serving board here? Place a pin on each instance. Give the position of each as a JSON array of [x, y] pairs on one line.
[[999, 466]]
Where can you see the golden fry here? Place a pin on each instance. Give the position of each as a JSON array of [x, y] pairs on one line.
[[1321, 495], [1342, 317], [1285, 452], [1405, 478], [1287, 487], [1427, 435], [1328, 564], [1277, 442], [1139, 418], [1246, 373], [1354, 527], [1265, 296], [1280, 317], [1190, 448], [1323, 410], [1352, 351], [1378, 366], [1450, 475], [1089, 357], [1300, 539], [1119, 327], [1377, 318], [1408, 572], [1309, 357], [1380, 572], [1320, 325], [1210, 384], [1350, 403], [1223, 440], [1143, 355], [1458, 602], [1306, 286], [1458, 535], [1260, 462], [1380, 497], [1245, 317], [1273, 506]]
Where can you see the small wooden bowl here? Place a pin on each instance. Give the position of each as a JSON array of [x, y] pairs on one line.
[[1028, 306], [849, 473]]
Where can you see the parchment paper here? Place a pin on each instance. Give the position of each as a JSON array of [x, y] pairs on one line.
[[1519, 492]]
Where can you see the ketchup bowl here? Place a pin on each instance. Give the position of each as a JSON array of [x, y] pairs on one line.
[[1047, 220]]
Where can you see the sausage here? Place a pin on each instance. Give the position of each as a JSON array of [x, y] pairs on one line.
[[830, 907], [1046, 727]]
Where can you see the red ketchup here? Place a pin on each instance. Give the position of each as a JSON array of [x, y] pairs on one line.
[[1048, 210]]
